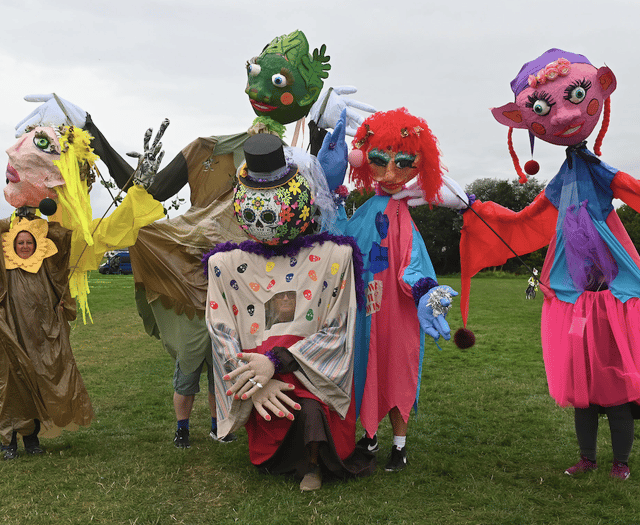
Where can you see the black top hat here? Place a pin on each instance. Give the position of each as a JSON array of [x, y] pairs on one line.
[[266, 166]]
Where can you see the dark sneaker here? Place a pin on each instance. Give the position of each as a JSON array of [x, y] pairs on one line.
[[397, 460], [620, 470], [367, 443], [226, 439], [9, 452], [584, 465], [181, 439], [34, 450]]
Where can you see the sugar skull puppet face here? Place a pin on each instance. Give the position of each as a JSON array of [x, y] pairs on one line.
[[31, 172], [277, 215], [397, 147], [285, 80], [559, 98]]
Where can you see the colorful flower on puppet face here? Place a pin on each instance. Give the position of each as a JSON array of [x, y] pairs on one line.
[[304, 213], [294, 187], [258, 203], [31, 173], [566, 110], [286, 214]]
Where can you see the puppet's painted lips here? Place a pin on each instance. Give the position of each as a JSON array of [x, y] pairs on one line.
[[568, 132], [259, 106], [12, 174]]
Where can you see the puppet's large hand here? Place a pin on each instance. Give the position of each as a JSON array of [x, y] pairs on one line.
[[252, 376], [451, 195], [54, 111], [149, 161], [432, 311], [333, 153], [273, 398], [327, 110]]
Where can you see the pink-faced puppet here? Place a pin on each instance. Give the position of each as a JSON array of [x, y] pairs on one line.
[[591, 276]]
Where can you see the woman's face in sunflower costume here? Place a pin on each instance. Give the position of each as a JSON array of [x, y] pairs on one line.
[[31, 173]]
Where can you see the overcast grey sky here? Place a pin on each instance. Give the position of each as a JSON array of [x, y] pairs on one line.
[[132, 63]]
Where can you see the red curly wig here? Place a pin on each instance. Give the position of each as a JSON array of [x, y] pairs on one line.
[[400, 131]]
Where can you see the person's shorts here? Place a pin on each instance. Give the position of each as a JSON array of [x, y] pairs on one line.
[[189, 384]]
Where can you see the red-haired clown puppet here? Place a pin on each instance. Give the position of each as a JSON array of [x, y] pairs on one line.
[[404, 300], [591, 276]]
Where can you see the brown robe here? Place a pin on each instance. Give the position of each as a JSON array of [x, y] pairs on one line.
[[38, 374]]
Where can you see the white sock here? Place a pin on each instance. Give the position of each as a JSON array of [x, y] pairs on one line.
[[399, 441]]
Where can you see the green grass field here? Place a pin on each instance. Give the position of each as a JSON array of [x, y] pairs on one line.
[[488, 446]]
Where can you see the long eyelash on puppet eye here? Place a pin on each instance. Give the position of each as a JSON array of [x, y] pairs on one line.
[[288, 75], [539, 96], [584, 84]]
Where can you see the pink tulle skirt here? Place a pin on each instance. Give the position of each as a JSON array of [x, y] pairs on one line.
[[591, 350]]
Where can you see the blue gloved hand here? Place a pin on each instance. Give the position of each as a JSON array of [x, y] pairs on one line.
[[333, 154], [432, 311]]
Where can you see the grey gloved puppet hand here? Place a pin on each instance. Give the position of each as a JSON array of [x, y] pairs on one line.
[[149, 161]]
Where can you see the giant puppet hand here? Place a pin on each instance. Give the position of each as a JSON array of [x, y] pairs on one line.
[[451, 195], [327, 110], [149, 161], [432, 311], [333, 153], [272, 397], [54, 111], [252, 376]]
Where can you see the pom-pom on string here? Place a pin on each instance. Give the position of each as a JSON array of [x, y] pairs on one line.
[[464, 338]]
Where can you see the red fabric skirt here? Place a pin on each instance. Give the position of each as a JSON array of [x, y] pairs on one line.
[[591, 350]]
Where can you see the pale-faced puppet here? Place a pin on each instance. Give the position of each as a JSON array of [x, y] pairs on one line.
[[590, 278], [273, 302], [404, 300], [44, 267]]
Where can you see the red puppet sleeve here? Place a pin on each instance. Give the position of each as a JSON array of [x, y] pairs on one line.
[[627, 189], [480, 247]]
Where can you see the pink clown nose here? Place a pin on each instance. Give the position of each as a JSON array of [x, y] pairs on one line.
[[356, 158]]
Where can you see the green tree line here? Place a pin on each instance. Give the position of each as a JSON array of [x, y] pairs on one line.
[[440, 227]]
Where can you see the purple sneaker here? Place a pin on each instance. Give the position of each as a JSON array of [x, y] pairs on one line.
[[584, 465], [620, 470]]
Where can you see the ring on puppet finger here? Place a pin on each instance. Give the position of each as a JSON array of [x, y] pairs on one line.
[[242, 385], [255, 383]]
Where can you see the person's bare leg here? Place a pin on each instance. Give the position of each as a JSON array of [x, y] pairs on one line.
[[182, 405], [398, 424], [212, 404]]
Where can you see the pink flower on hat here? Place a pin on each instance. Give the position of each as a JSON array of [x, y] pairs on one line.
[[564, 67], [551, 71]]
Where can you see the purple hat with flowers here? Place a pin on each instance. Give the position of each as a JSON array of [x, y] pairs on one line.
[[549, 65]]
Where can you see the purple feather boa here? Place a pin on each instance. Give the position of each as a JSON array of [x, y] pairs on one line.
[[291, 249]]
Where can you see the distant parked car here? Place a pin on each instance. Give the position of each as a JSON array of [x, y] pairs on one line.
[[118, 262]]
